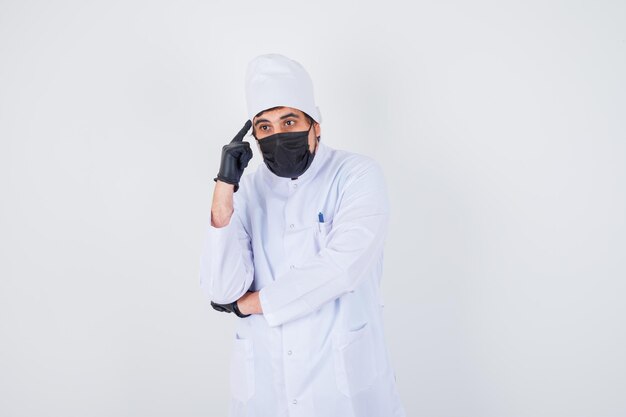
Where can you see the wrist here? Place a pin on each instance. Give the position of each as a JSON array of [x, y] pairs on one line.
[[224, 186], [238, 311], [249, 303]]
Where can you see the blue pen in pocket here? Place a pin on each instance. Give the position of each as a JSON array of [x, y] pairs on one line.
[[320, 218]]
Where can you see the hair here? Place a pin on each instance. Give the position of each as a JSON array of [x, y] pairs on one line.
[[309, 118]]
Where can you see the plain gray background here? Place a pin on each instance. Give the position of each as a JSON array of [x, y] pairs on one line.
[[501, 130]]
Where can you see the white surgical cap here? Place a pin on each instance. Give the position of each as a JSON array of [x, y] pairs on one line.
[[274, 80]]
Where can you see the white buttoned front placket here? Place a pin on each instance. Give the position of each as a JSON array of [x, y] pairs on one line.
[[296, 343], [318, 348]]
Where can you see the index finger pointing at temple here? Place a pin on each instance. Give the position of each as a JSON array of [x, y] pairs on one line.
[[239, 136]]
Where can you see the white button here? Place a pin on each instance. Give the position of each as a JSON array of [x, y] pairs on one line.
[[292, 266], [291, 225], [289, 353], [295, 401], [295, 186]]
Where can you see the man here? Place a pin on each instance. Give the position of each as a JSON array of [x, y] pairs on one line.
[[295, 249]]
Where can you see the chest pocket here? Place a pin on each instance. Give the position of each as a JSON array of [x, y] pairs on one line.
[[322, 230]]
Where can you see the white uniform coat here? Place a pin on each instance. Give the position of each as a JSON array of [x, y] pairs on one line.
[[318, 349]]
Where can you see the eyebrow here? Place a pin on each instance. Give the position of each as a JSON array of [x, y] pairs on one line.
[[281, 118], [289, 115]]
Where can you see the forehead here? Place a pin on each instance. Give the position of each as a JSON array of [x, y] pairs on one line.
[[277, 113]]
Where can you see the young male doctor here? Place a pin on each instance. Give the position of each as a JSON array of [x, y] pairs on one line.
[[295, 249]]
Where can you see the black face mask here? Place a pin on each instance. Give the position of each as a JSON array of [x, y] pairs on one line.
[[287, 154]]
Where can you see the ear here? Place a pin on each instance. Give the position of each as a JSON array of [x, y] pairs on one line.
[[318, 129]]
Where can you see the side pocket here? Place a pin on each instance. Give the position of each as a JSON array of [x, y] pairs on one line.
[[242, 383], [354, 360]]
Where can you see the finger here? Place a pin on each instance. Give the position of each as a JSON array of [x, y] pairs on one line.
[[239, 136], [245, 158]]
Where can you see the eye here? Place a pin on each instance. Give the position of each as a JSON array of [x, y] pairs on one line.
[[290, 122], [264, 127]]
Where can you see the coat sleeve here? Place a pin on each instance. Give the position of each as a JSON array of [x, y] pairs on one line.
[[355, 241], [226, 265]]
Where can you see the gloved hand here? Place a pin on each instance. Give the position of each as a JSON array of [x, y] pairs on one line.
[[235, 158], [229, 308]]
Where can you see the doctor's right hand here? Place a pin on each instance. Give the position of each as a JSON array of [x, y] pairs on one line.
[[235, 158]]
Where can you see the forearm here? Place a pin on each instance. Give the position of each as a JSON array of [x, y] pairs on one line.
[[222, 205], [336, 270]]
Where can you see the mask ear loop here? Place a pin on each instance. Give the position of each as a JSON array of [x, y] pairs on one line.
[[312, 123], [318, 137], [317, 143]]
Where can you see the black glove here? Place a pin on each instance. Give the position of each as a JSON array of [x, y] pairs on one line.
[[235, 157], [228, 308]]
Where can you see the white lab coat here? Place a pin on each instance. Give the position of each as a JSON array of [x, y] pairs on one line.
[[318, 349]]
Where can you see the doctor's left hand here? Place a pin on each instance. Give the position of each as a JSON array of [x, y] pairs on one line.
[[249, 303]]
